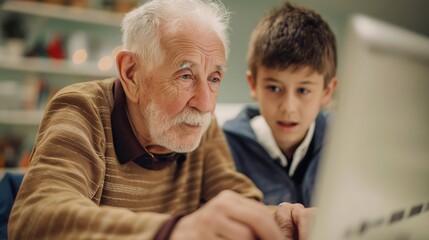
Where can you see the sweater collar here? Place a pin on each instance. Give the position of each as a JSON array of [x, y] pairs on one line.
[[127, 147]]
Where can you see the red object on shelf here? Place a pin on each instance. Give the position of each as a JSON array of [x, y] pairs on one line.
[[55, 48]]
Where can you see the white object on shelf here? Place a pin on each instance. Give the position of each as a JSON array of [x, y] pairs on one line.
[[65, 12], [45, 65], [21, 117], [14, 48]]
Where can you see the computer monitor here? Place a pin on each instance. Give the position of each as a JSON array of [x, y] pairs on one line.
[[373, 182]]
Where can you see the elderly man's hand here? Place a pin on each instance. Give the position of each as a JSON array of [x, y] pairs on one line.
[[294, 220], [228, 216]]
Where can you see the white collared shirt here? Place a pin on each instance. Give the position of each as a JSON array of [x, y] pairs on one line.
[[266, 139]]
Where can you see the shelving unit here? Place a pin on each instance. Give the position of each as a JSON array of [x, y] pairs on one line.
[[65, 67], [23, 123], [84, 15], [21, 117]]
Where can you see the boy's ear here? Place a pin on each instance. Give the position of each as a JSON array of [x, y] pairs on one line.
[[252, 84], [328, 91], [127, 65]]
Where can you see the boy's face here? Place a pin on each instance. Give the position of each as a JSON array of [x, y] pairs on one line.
[[290, 100]]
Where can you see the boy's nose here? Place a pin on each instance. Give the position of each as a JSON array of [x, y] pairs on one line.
[[288, 105]]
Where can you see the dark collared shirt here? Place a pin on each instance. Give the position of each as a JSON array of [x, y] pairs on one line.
[[127, 146]]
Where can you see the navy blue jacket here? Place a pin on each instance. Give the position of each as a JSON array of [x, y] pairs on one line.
[[269, 176], [9, 186]]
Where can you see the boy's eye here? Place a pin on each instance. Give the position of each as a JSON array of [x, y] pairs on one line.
[[273, 88], [303, 91]]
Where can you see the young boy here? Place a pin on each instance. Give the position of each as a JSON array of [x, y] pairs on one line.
[[292, 63]]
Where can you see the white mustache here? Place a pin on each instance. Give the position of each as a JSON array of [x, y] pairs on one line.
[[193, 117]]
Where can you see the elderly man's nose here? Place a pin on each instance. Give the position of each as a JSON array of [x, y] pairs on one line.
[[203, 98]]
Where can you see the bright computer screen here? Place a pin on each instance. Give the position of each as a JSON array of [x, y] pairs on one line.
[[374, 179]]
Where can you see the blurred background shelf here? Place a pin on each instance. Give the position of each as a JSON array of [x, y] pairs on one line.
[[46, 45], [46, 65], [21, 117], [78, 14]]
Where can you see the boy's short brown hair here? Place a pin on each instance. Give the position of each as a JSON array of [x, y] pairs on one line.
[[292, 37]]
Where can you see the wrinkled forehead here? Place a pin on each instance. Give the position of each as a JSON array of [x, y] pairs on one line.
[[195, 26], [189, 64], [188, 42]]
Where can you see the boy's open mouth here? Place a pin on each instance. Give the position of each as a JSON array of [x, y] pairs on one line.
[[287, 123]]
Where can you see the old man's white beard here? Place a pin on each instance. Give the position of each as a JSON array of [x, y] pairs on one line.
[[166, 132]]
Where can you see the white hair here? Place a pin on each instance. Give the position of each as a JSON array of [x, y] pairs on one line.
[[141, 26]]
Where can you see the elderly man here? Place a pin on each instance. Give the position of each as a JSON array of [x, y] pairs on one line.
[[140, 157]]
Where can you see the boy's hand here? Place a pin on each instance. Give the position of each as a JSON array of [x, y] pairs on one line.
[[294, 220], [228, 216]]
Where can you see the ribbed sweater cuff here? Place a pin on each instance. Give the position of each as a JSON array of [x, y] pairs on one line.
[[167, 228]]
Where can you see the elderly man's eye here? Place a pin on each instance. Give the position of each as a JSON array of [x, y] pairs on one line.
[[214, 80], [186, 76]]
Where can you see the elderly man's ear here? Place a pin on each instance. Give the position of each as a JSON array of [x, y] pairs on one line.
[[127, 64]]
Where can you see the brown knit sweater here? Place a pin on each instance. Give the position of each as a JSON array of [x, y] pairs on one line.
[[75, 188]]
